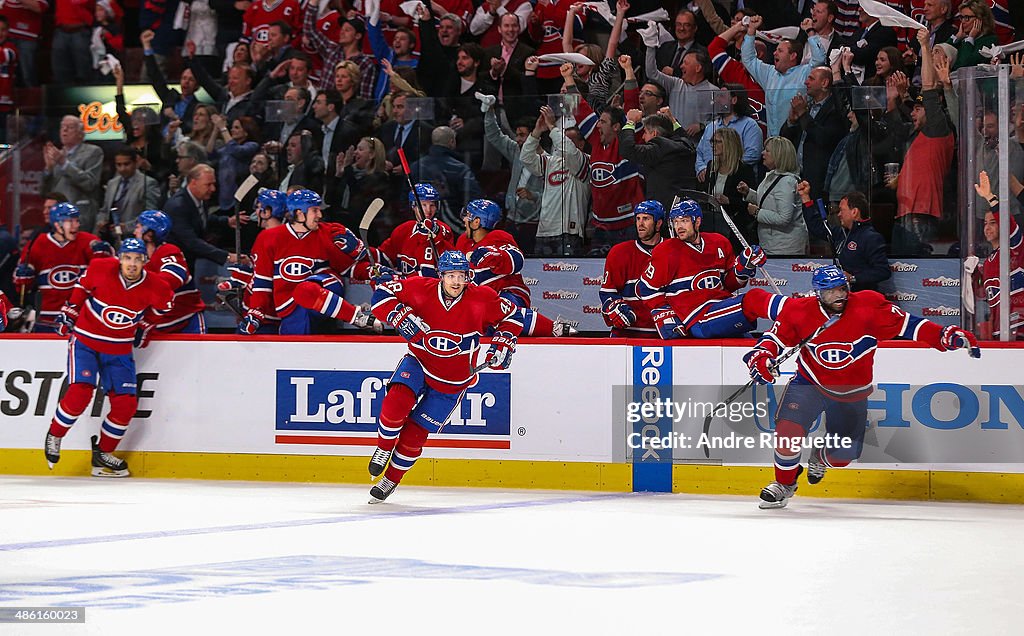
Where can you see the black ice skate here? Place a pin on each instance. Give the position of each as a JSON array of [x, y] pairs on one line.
[[52, 449], [367, 321], [382, 490], [379, 461], [105, 464], [776, 495], [562, 328], [815, 467]]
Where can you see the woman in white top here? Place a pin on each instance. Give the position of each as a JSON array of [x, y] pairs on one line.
[[780, 223]]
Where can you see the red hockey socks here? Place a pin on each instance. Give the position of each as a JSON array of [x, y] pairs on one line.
[[122, 410], [323, 301], [757, 303], [408, 450], [788, 439], [398, 403], [72, 405]]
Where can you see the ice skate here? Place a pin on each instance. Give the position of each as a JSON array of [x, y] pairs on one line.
[[105, 464], [815, 467], [379, 461], [562, 329], [382, 490], [52, 449], [367, 321], [776, 495]]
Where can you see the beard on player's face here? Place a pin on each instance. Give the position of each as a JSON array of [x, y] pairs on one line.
[[835, 300]]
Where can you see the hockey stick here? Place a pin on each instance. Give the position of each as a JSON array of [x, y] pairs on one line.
[[418, 209], [735, 231], [371, 213], [778, 363], [240, 193]]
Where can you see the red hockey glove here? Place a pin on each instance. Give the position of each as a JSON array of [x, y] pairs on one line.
[[144, 334], [407, 324], [503, 345], [251, 322], [749, 260], [617, 313], [667, 323], [24, 277], [349, 244], [101, 249], [954, 338], [762, 366], [65, 320]]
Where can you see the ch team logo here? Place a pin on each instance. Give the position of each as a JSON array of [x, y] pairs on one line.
[[444, 344], [63, 276], [708, 279], [558, 177], [117, 317], [834, 355], [602, 174], [296, 269]]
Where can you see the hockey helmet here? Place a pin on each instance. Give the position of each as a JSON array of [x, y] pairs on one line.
[[425, 192], [132, 246], [63, 212], [828, 277], [685, 207], [302, 201], [652, 207], [156, 221], [452, 261], [486, 210], [273, 200]]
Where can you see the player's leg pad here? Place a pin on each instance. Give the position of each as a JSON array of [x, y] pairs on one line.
[[758, 303], [848, 420], [115, 425], [71, 406], [788, 437], [323, 301], [408, 450], [394, 411], [723, 319]]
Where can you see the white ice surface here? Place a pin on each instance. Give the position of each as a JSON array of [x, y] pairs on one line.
[[188, 557]]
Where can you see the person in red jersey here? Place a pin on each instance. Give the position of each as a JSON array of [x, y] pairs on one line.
[[261, 14], [112, 307], [53, 262], [689, 284], [498, 262], [166, 261], [621, 307], [442, 320], [297, 268], [987, 278], [834, 371], [5, 308]]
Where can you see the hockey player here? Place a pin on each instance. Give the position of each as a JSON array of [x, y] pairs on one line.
[[413, 246], [497, 263], [621, 306], [54, 261], [987, 277], [110, 308], [166, 261], [442, 320], [688, 285], [5, 307], [834, 371], [296, 271]]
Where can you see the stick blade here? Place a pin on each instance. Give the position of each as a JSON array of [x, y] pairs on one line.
[[371, 213]]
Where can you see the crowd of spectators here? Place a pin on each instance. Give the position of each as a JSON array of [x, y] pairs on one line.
[[740, 100]]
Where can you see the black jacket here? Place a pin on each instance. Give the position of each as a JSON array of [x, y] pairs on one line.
[[188, 229], [860, 251], [824, 131], [668, 164]]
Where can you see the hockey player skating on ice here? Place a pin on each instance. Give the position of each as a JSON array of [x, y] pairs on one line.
[[111, 307], [442, 320], [688, 285], [498, 262], [834, 371], [621, 306]]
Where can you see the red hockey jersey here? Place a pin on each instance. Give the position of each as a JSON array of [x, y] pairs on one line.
[[110, 308], [840, 361], [990, 280], [24, 23], [57, 269], [284, 259], [505, 277], [623, 268], [168, 264], [448, 351], [408, 250], [615, 183], [8, 69], [547, 29], [261, 14], [690, 277]]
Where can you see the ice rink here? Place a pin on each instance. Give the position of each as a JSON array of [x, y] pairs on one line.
[[190, 557]]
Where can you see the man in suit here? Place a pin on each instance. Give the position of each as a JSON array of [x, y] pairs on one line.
[[74, 170], [669, 56], [872, 38], [303, 165], [815, 125], [401, 131], [506, 60], [191, 220], [234, 99], [127, 194], [277, 133]]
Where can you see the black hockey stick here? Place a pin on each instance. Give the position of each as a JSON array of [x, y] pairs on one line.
[[778, 363], [418, 209]]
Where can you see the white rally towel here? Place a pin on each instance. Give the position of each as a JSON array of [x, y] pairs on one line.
[[575, 58], [659, 15], [774, 36], [409, 7], [888, 16], [1001, 51], [655, 35]]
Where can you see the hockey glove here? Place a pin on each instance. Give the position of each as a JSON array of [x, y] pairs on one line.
[[503, 345], [954, 338], [618, 313], [101, 248], [144, 333], [65, 320], [487, 258], [762, 366], [24, 276], [251, 322], [349, 244], [407, 324], [749, 260], [428, 227], [380, 274], [667, 323]]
